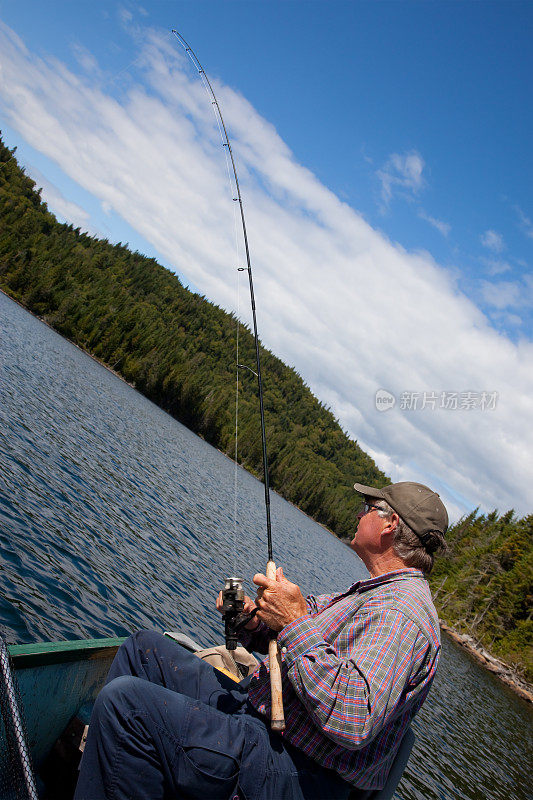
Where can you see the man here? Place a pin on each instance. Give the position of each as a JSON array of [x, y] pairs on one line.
[[356, 668]]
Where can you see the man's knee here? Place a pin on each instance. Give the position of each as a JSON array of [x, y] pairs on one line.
[[146, 640], [116, 698]]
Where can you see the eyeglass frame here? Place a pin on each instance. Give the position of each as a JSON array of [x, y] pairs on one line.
[[365, 508]]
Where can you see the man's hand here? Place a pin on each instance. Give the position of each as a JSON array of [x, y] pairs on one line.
[[249, 606], [280, 602]]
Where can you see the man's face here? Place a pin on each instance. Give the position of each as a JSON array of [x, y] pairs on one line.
[[367, 537]]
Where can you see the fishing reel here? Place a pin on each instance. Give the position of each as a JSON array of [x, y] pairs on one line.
[[233, 611]]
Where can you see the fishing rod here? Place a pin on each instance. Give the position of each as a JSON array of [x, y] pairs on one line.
[[233, 594]]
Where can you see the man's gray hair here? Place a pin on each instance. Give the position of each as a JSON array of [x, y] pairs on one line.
[[408, 545]]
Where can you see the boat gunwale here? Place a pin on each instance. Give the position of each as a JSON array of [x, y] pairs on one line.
[[36, 654]]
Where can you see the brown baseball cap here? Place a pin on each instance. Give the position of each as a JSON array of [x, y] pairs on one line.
[[418, 506]]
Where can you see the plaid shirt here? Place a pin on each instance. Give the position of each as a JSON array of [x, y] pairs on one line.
[[355, 671]]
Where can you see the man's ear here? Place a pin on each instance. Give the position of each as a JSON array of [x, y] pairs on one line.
[[392, 523]]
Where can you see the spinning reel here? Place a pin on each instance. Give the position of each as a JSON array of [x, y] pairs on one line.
[[233, 611]]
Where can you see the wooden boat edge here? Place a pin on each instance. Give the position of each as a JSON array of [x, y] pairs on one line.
[[39, 654]]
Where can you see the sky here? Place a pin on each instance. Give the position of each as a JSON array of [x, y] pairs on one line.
[[385, 161]]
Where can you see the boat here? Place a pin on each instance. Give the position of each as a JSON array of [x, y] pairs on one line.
[[58, 683]]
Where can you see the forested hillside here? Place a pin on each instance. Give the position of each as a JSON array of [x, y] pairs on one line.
[[484, 585], [178, 349]]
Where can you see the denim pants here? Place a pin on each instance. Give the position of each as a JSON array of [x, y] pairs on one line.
[[167, 725]]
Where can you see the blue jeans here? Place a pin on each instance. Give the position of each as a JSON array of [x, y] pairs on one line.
[[167, 725]]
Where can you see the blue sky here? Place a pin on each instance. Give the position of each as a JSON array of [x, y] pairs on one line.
[[389, 146]]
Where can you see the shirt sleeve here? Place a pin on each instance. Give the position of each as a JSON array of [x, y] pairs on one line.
[[351, 698], [257, 639]]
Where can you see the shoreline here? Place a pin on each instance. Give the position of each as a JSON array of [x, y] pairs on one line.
[[499, 668], [75, 344]]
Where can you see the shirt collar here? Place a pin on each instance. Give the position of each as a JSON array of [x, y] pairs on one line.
[[388, 577]]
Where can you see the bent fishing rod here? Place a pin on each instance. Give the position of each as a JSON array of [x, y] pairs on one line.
[[233, 593]]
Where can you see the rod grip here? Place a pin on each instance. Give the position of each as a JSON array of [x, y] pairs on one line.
[[277, 719]]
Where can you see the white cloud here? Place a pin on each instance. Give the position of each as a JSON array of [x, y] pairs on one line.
[[501, 294], [492, 241], [442, 227], [510, 301], [401, 173], [85, 58], [496, 266], [348, 309], [125, 15], [525, 223], [507, 319]]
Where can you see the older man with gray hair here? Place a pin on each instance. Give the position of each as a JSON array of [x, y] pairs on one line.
[[356, 667], [359, 664], [418, 521]]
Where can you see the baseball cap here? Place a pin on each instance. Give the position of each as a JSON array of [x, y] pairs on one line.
[[418, 506]]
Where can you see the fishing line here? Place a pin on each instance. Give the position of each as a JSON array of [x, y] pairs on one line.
[[233, 594], [238, 199], [111, 80], [237, 381], [221, 131], [236, 455]]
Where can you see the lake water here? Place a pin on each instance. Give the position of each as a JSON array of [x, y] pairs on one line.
[[113, 516]]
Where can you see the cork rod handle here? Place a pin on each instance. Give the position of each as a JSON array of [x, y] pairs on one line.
[[274, 661]]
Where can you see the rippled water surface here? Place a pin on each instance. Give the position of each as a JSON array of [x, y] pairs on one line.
[[113, 516]]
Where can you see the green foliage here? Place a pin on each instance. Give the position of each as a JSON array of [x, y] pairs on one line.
[[484, 585], [178, 349]]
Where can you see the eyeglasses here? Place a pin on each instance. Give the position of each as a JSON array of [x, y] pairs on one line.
[[366, 507]]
